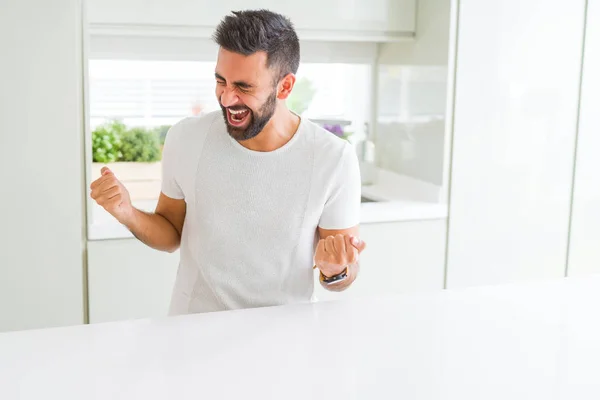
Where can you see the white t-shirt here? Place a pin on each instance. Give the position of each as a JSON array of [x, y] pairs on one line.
[[250, 229]]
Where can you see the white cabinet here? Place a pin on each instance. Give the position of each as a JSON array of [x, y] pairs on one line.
[[127, 280], [400, 257], [517, 82], [369, 19], [41, 235], [584, 254]]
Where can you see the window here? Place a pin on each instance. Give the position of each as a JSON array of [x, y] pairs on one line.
[[411, 126], [149, 93], [134, 102]]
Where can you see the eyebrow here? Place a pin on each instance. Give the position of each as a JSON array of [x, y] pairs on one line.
[[241, 84]]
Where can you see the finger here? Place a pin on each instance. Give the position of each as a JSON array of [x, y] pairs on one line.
[[98, 190], [95, 184], [360, 245], [351, 251], [107, 185], [101, 180], [319, 252], [329, 244], [320, 247], [348, 240], [109, 194], [339, 243], [105, 171]]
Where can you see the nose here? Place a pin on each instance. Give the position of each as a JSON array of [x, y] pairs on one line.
[[228, 98]]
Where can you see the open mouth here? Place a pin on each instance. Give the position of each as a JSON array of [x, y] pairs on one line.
[[238, 118]]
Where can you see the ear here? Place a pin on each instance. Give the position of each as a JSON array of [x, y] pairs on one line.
[[285, 86]]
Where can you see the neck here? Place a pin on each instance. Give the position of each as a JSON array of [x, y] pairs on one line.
[[280, 129]]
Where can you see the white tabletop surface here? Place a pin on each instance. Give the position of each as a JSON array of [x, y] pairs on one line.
[[530, 341]]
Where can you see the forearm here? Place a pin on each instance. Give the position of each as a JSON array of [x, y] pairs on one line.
[[345, 284], [153, 230]]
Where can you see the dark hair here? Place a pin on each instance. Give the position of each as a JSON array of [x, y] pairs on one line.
[[250, 31]]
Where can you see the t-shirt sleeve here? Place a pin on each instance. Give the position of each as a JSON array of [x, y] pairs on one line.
[[170, 164], [342, 208]]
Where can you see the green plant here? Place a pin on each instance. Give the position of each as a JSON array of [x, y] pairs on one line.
[[301, 97], [106, 142], [140, 145]]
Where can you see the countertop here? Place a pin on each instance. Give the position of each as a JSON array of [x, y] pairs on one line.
[[526, 341]]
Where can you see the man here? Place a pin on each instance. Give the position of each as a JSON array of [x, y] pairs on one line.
[[253, 194]]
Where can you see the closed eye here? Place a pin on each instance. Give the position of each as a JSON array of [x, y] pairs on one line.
[[220, 79], [243, 89]]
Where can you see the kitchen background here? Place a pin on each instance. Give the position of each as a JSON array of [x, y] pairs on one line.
[[475, 134], [384, 91]]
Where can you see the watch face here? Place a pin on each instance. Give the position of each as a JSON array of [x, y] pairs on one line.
[[336, 279]]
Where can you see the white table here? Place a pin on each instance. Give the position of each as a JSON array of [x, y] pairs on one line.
[[531, 341]]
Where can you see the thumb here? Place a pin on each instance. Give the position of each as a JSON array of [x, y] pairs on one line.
[[105, 171], [358, 244]]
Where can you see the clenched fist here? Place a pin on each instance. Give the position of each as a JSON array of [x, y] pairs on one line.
[[334, 253], [110, 193]]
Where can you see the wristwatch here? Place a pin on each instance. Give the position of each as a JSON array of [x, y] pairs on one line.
[[329, 280]]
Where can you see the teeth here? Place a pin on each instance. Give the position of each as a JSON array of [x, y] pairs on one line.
[[236, 112]]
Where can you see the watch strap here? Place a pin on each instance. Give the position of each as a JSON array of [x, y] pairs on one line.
[[335, 278]]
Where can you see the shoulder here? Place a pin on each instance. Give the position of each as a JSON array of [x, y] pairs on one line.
[[191, 129], [330, 149]]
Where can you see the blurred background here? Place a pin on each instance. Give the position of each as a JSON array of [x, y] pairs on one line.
[[475, 123]]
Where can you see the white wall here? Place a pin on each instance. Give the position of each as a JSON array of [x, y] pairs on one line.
[[413, 79], [41, 228], [517, 89], [584, 254]]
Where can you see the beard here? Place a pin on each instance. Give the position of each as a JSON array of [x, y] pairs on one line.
[[258, 119]]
